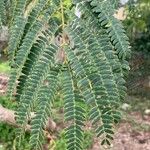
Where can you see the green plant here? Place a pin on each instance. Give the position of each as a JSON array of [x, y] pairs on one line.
[[138, 24], [94, 54], [7, 136], [138, 28], [4, 67], [61, 143]]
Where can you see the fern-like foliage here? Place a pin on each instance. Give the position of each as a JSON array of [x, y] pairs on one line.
[[74, 113], [96, 53], [2, 13], [45, 98]]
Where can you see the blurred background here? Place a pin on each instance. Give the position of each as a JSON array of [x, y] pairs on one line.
[[133, 133]]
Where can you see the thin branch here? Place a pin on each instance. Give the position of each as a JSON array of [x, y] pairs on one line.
[[8, 116]]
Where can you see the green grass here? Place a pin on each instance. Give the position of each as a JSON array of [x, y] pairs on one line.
[[4, 67]]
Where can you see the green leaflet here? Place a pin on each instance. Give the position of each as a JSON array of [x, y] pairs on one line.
[[73, 112], [25, 48], [96, 85], [20, 8], [35, 13], [2, 13], [16, 31], [35, 53], [20, 23], [45, 98], [33, 85], [17, 27], [112, 77], [114, 28]]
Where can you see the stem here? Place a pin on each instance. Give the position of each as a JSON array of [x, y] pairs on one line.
[[63, 22]]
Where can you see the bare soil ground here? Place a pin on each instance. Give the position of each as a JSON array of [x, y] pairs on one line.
[[130, 135]]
